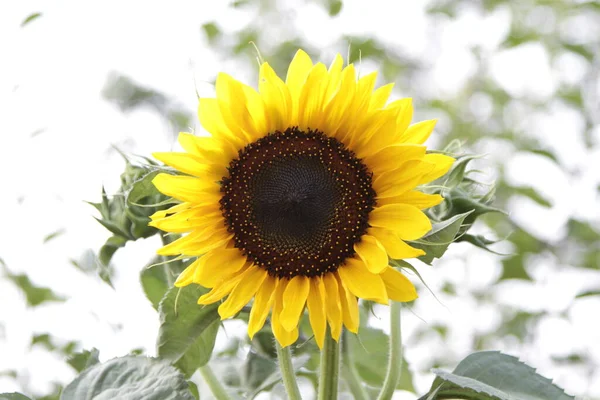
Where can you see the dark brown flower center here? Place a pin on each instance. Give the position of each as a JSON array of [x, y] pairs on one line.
[[297, 202]]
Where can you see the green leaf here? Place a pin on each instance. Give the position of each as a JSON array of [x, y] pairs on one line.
[[544, 153], [53, 235], [194, 390], [10, 373], [83, 360], [588, 293], [518, 37], [109, 248], [457, 173], [579, 49], [436, 242], [113, 228], [143, 193], [212, 31], [519, 324], [335, 6], [257, 369], [198, 354], [30, 18], [131, 378], [533, 195], [491, 375], [514, 268], [370, 355], [90, 263], [480, 241], [13, 396], [43, 340], [34, 295], [465, 202], [188, 331], [155, 282], [583, 232], [142, 189], [275, 377]]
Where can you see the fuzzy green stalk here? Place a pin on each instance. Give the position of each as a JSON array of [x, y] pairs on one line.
[[284, 355], [329, 369], [394, 370], [349, 371], [165, 267], [217, 389]]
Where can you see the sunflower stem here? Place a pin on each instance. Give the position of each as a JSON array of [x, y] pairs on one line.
[[394, 370], [217, 389], [329, 369], [287, 372], [349, 371], [165, 267]]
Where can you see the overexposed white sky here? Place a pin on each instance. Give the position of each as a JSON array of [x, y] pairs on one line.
[[52, 74]]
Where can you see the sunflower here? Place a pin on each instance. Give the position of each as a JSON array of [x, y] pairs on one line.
[[300, 195]]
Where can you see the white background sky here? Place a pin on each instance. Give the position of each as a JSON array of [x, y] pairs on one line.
[[51, 76]]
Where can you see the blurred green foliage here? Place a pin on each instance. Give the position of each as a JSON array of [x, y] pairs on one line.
[[125, 215]]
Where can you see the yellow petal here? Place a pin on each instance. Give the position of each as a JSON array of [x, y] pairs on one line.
[[197, 243], [337, 109], [174, 248], [294, 299], [372, 253], [362, 283], [207, 148], [316, 309], [398, 287], [414, 197], [276, 96], [312, 98], [171, 210], [211, 118], [401, 180], [407, 221], [378, 135], [190, 220], [442, 164], [333, 305], [217, 265], [335, 76], [222, 290], [284, 337], [405, 114], [243, 292], [185, 211], [185, 188], [192, 165], [394, 246], [296, 76], [262, 305], [391, 157], [186, 276], [350, 312], [366, 84], [381, 96], [257, 110], [419, 132], [232, 101]]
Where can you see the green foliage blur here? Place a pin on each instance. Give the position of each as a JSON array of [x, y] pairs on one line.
[[578, 248]]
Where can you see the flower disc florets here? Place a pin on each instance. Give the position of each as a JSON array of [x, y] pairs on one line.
[[297, 202]]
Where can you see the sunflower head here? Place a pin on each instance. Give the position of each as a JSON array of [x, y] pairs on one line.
[[300, 195]]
